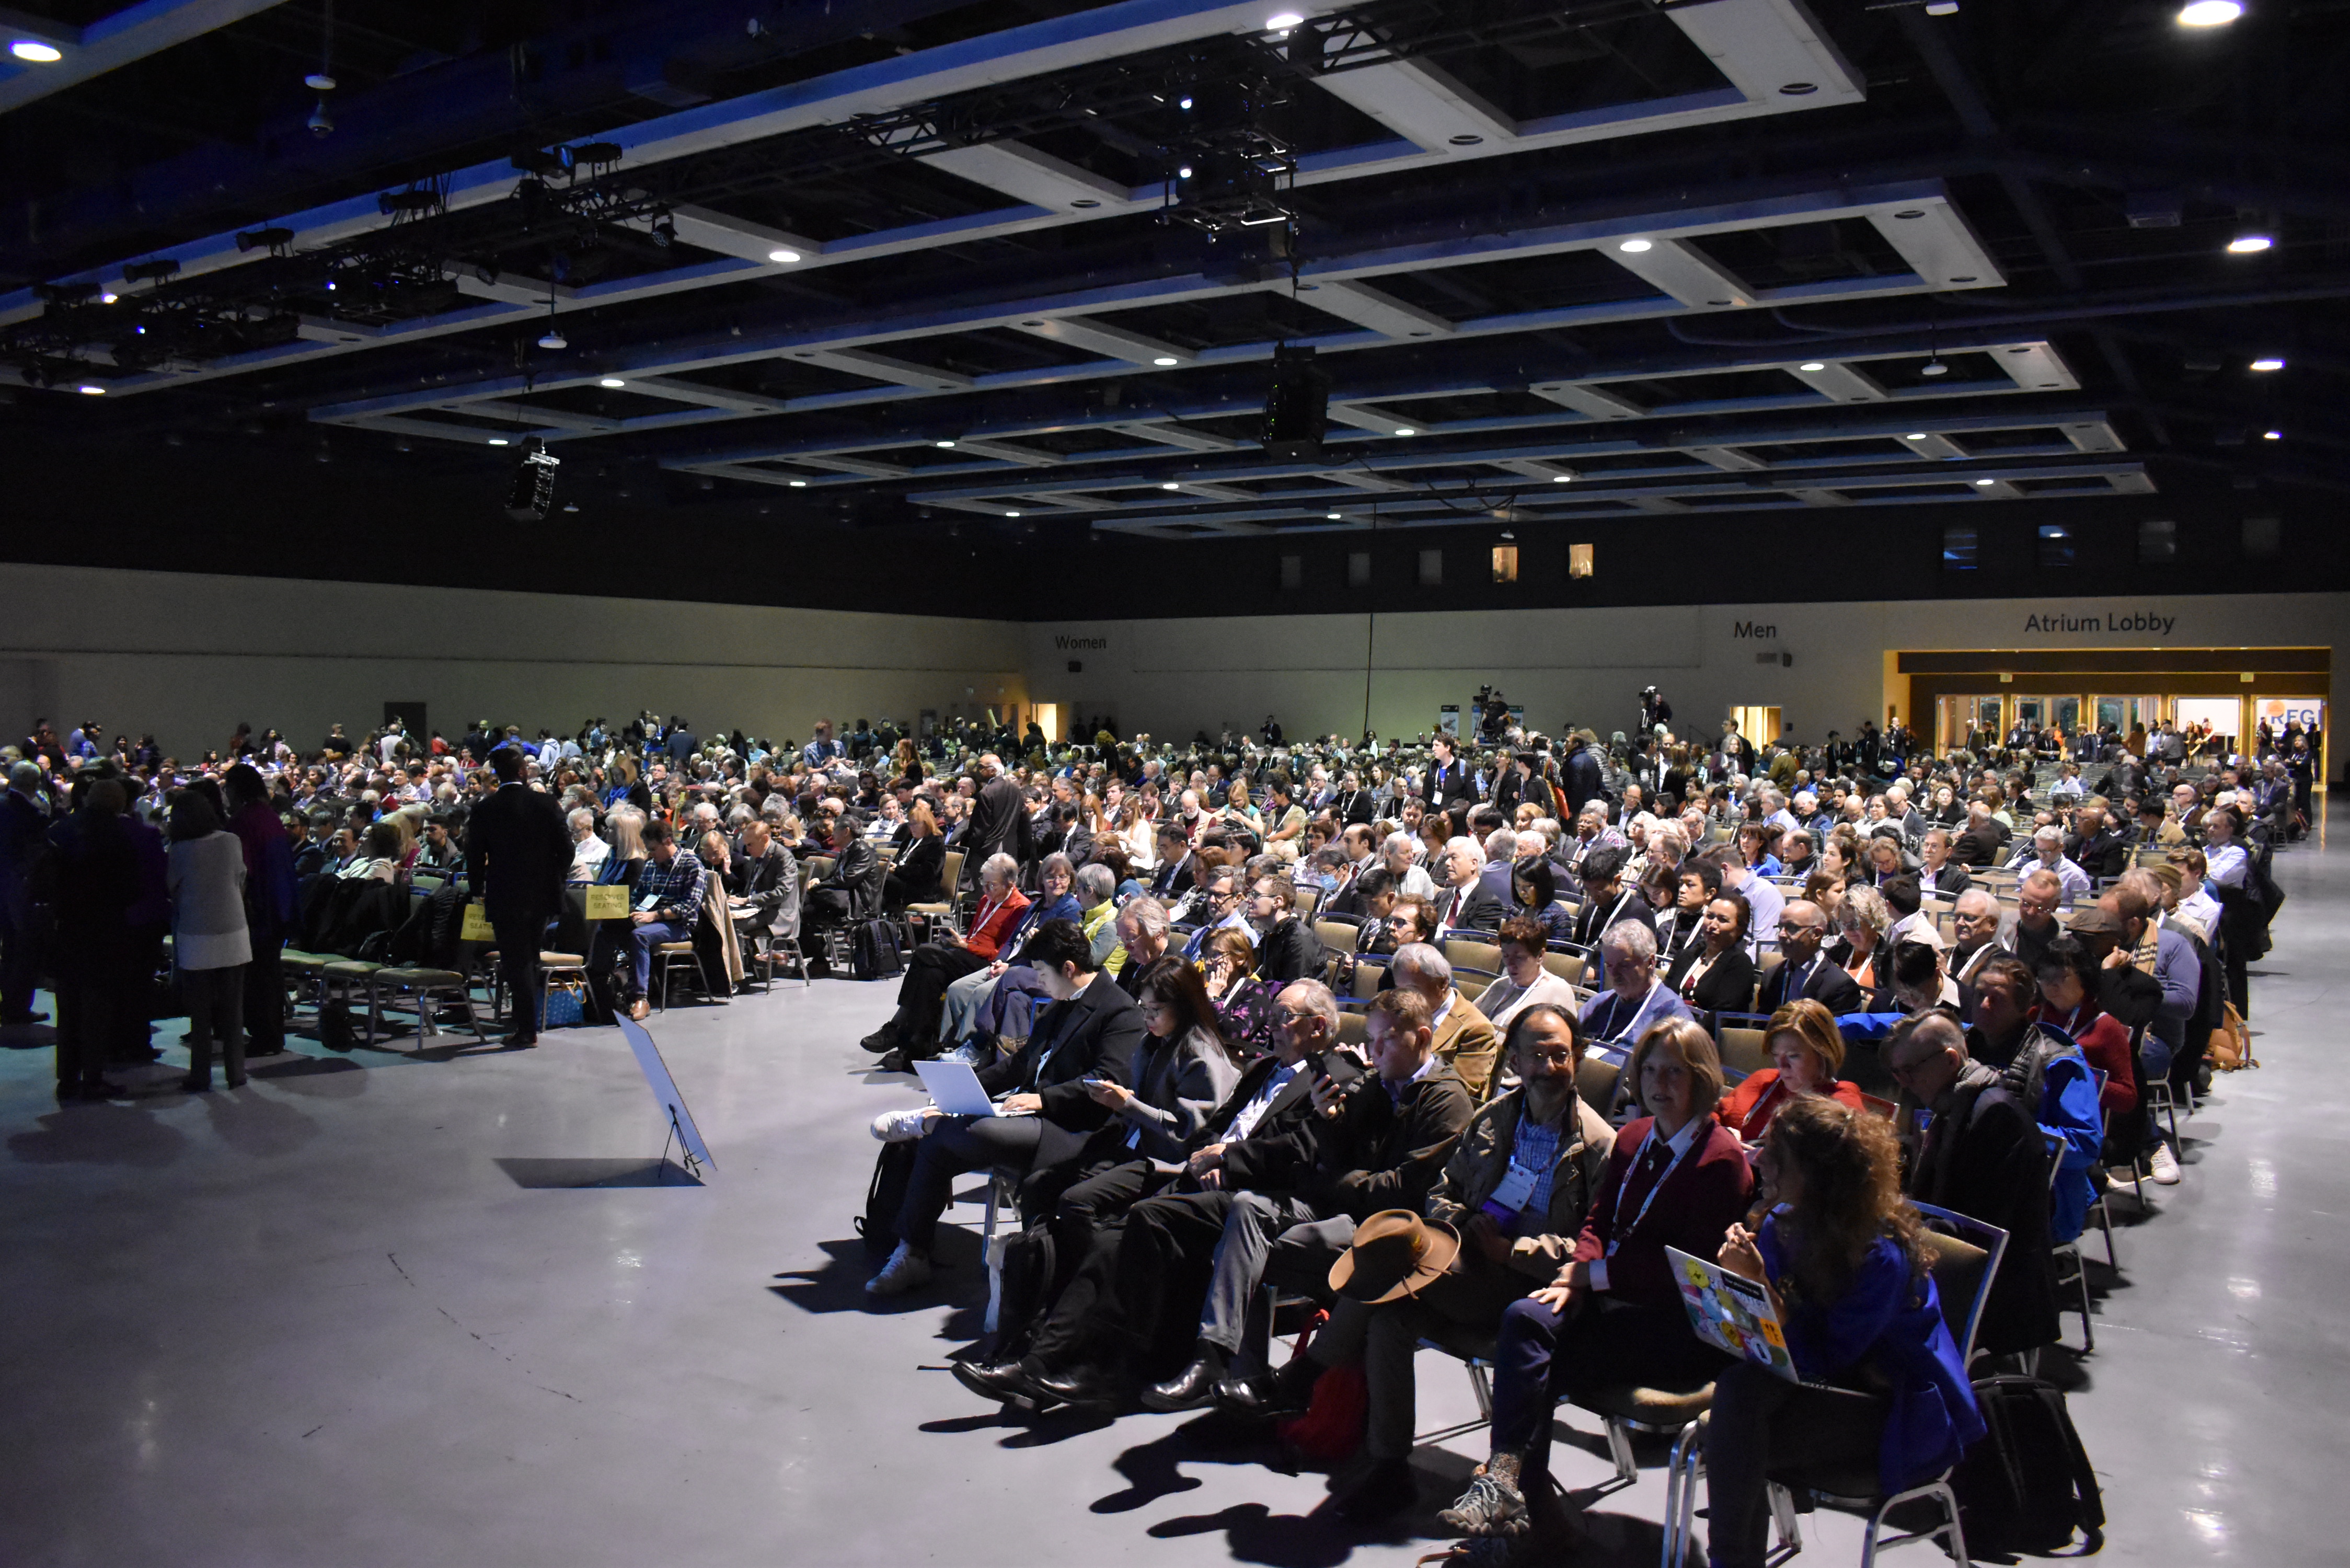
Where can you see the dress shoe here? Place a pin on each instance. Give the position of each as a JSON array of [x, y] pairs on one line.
[[1188, 1390], [639, 1008], [1080, 1387], [897, 1060], [520, 1041], [1270, 1396], [882, 1040], [1005, 1381], [1384, 1489]]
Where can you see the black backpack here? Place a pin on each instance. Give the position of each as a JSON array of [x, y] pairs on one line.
[[893, 1169], [2027, 1488], [873, 952]]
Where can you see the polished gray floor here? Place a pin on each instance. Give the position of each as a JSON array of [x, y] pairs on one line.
[[359, 1313]]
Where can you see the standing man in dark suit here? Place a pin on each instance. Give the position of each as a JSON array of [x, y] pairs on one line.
[[999, 818], [1581, 776], [1802, 926], [517, 854]]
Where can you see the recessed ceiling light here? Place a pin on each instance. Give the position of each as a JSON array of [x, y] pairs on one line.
[[1984, 483], [2272, 435], [1811, 365], [1184, 172], [1170, 484], [2249, 245], [1332, 516], [2209, 13], [1012, 514], [1915, 435], [611, 382], [91, 389], [1166, 360], [1281, 21], [107, 298], [1562, 479], [36, 52], [1406, 430], [782, 256], [1634, 247], [498, 440], [796, 483], [2268, 364], [944, 445]]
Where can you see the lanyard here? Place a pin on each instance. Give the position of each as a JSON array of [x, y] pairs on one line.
[[1637, 1009], [1622, 1231]]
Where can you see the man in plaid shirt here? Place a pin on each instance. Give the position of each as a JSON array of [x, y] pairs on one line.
[[668, 903]]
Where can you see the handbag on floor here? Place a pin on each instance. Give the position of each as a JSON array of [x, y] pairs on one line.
[[2026, 1486], [893, 1169], [566, 1006]]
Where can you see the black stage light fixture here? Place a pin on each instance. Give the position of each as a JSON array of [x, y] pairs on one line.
[[532, 493], [268, 239], [595, 154], [393, 204], [664, 231], [1297, 409], [154, 270], [66, 293]]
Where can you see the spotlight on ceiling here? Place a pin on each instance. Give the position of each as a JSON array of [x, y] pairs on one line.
[[1012, 514], [782, 256], [2209, 13], [1164, 360], [1562, 479], [1985, 483], [1282, 20], [320, 122], [1634, 247], [1170, 484], [944, 445], [554, 339], [35, 52], [796, 483], [268, 239], [412, 200], [319, 81], [90, 389], [2270, 363], [2249, 245], [1335, 516], [1814, 365], [1933, 368], [664, 231], [500, 441], [1406, 430]]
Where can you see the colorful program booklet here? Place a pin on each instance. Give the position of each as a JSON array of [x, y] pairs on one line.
[[1732, 1312]]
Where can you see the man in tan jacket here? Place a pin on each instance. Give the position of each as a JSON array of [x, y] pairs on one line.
[[1464, 1037]]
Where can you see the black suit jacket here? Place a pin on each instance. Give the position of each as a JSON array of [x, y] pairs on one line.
[[517, 853], [1591, 921], [1278, 1151], [857, 871], [1826, 984], [1479, 911], [1984, 1158], [918, 868], [1455, 785], [1354, 807], [998, 819], [1949, 882], [2106, 856], [1093, 1034]]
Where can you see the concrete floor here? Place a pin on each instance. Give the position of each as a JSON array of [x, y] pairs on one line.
[[342, 1317]]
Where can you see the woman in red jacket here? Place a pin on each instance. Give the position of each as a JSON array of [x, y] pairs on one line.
[[2068, 1000], [1676, 1179], [1803, 1042]]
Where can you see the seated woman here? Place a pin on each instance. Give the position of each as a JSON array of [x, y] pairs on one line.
[[942, 960], [1715, 974], [1245, 1014], [977, 1004], [1838, 1250], [1525, 980], [1864, 917], [377, 854], [1806, 1052], [2067, 972], [1678, 1178], [1505, 1215], [1534, 885], [1756, 840]]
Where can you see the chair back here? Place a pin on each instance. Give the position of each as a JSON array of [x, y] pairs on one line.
[[950, 872], [1304, 899], [1965, 1253], [1568, 967], [1742, 1050], [1336, 936], [1354, 1028], [1369, 971], [1594, 1081], [1473, 953]]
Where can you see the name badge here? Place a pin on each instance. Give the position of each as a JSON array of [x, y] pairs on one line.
[[1516, 1187]]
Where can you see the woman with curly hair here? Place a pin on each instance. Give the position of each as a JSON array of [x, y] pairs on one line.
[[1836, 1246]]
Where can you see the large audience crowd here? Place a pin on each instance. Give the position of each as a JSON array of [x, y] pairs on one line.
[[1455, 1039]]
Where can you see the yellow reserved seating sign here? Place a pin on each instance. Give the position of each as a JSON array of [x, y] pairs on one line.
[[476, 927], [607, 903]]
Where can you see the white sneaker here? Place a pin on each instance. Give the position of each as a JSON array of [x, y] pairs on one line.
[[966, 1052], [905, 1270], [898, 1126], [2166, 1165], [2116, 1180]]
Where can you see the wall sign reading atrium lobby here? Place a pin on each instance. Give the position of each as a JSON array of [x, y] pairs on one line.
[[2146, 622]]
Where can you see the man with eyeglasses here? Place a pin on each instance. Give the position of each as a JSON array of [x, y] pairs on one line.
[[1802, 926], [1975, 1149], [1975, 924], [2037, 898], [1219, 905]]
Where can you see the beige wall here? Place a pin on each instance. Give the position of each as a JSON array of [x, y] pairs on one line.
[[187, 657], [1586, 666]]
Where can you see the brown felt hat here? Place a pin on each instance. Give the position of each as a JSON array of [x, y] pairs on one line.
[[1396, 1254]]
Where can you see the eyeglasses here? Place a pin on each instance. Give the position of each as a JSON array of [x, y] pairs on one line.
[[2036, 905], [1557, 1056]]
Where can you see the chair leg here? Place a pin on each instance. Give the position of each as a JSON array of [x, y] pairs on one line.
[[1619, 1449], [1955, 1542], [1680, 1493], [1480, 1385], [1787, 1522]]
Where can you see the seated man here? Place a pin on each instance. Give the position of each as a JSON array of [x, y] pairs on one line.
[[2037, 898], [1465, 1038], [1140, 930], [2048, 1078], [1253, 1142], [2044, 856], [1513, 1196], [1219, 904], [1380, 1144], [1636, 998], [1804, 973], [1980, 1154], [668, 895], [1465, 902], [1608, 899], [762, 882], [1286, 947], [851, 891], [945, 959], [1044, 1110]]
